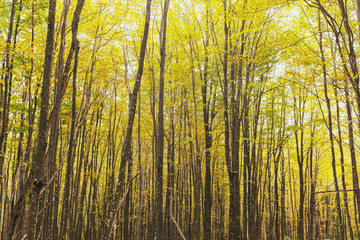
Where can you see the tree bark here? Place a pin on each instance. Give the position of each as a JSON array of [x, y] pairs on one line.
[[159, 140], [36, 173], [66, 209], [208, 138]]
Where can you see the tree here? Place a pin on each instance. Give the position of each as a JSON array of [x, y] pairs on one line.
[[159, 129], [126, 149]]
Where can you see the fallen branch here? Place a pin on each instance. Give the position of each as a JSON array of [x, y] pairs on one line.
[[177, 226], [334, 191]]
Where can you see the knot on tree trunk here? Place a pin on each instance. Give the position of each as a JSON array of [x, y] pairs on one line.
[[40, 183]]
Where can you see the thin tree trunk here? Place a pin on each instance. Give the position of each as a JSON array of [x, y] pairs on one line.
[[126, 149], [298, 118], [330, 127], [54, 131], [70, 158], [159, 140], [36, 173], [197, 163], [208, 140], [313, 175], [283, 225], [6, 99], [233, 169], [7, 95], [347, 212], [355, 177]]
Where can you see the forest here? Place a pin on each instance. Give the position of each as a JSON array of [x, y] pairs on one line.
[[179, 119]]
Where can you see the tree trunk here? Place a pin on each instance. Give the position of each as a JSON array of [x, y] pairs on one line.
[[208, 140], [66, 209], [159, 140], [330, 127], [36, 173], [126, 154]]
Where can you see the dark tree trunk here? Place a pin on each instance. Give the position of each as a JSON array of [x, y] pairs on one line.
[[208, 141], [66, 209], [36, 173], [159, 140], [7, 94], [299, 118], [231, 157], [347, 212]]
